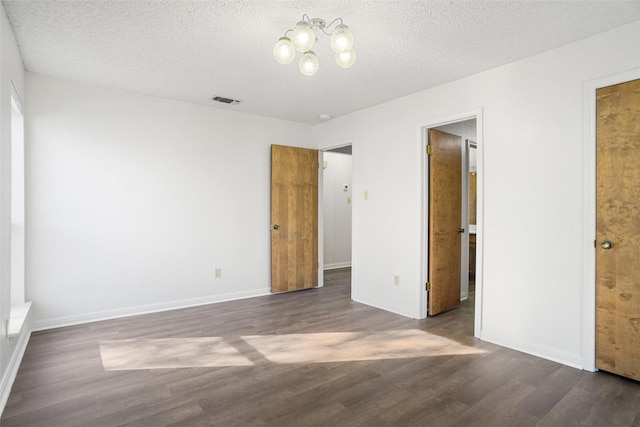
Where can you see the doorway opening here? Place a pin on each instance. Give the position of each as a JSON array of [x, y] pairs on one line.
[[335, 213], [466, 281]]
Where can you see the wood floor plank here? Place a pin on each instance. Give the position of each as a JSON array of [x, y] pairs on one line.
[[354, 365]]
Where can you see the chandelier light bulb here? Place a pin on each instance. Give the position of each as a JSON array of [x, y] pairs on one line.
[[346, 59], [303, 37], [341, 39], [309, 63], [283, 51]]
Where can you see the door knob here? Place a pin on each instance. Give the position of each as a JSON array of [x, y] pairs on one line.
[[460, 230], [276, 227], [606, 244]]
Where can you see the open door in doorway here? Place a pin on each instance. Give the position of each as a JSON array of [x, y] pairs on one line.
[[617, 230], [445, 218], [294, 218]]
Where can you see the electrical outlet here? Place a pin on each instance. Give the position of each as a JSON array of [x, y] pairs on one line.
[[396, 280], [218, 272]]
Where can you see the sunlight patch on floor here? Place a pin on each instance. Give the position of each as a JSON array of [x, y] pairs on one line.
[[355, 346], [203, 352], [167, 353]]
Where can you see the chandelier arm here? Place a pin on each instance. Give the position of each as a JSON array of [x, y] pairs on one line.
[[305, 17], [333, 22]]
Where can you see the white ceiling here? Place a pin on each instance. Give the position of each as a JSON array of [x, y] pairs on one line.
[[192, 50]]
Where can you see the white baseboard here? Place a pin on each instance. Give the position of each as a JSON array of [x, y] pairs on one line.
[[383, 305], [58, 322], [337, 265], [569, 359], [12, 368]]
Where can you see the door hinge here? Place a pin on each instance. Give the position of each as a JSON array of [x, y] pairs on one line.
[[427, 286], [428, 149]]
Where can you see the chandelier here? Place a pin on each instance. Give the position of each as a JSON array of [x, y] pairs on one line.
[[302, 39]]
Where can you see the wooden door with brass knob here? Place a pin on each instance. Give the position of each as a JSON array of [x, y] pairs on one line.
[[618, 229], [445, 218], [294, 218]]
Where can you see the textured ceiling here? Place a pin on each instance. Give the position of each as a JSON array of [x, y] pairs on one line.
[[192, 50]]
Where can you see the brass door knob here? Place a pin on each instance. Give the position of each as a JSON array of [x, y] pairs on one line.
[[606, 244], [276, 227]]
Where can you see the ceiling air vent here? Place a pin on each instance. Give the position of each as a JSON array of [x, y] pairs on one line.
[[225, 100]]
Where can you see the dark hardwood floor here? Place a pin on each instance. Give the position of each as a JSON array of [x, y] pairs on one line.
[[307, 358]]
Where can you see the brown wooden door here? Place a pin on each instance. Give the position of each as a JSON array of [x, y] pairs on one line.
[[618, 222], [294, 218], [445, 218]]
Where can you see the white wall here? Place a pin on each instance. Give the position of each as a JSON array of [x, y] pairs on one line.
[[533, 121], [133, 201], [337, 209], [11, 69]]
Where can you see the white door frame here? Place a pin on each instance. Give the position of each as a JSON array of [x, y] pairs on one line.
[[422, 129], [589, 254]]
